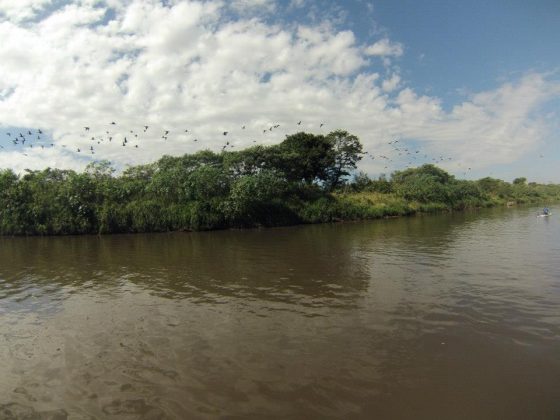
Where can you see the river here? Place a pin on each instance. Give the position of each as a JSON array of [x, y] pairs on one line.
[[444, 316]]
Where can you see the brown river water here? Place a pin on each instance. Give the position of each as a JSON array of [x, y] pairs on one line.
[[451, 316]]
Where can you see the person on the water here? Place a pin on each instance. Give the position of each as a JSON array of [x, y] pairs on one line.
[[546, 211]]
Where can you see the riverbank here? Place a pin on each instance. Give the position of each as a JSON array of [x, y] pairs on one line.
[[304, 179], [371, 205]]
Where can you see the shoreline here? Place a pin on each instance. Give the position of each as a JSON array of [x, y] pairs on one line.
[[412, 213]]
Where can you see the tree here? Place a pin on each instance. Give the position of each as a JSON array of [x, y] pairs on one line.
[[520, 181], [304, 157], [425, 184], [347, 152], [252, 196]]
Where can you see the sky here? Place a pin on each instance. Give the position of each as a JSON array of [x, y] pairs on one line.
[[471, 86]]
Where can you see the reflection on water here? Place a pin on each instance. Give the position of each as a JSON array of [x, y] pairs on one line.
[[450, 316]]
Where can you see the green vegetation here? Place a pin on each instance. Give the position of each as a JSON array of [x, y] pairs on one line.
[[304, 179]]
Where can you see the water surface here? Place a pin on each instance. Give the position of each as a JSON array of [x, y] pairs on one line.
[[447, 316]]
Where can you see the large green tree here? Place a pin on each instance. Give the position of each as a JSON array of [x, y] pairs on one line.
[[347, 151]]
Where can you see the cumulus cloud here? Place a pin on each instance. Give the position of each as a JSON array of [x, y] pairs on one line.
[[244, 6], [191, 68], [385, 47], [22, 10]]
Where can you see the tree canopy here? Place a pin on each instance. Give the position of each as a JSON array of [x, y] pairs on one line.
[[299, 180]]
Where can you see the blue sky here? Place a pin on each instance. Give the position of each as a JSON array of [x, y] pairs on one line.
[[477, 82], [473, 44]]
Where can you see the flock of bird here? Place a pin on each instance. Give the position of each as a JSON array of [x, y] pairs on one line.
[[413, 157], [399, 151], [110, 136]]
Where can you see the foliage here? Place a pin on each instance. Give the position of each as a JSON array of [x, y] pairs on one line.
[[304, 179], [347, 151]]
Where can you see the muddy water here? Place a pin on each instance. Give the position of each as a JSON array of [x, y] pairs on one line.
[[448, 316]]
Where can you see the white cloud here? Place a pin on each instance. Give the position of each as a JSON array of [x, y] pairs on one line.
[[385, 47], [190, 66], [392, 83], [21, 10], [244, 6]]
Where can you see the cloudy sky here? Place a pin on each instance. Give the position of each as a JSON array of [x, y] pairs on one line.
[[477, 82]]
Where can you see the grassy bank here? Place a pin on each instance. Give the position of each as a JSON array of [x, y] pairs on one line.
[[304, 179]]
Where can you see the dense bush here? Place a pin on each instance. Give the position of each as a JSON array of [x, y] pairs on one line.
[[304, 179]]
